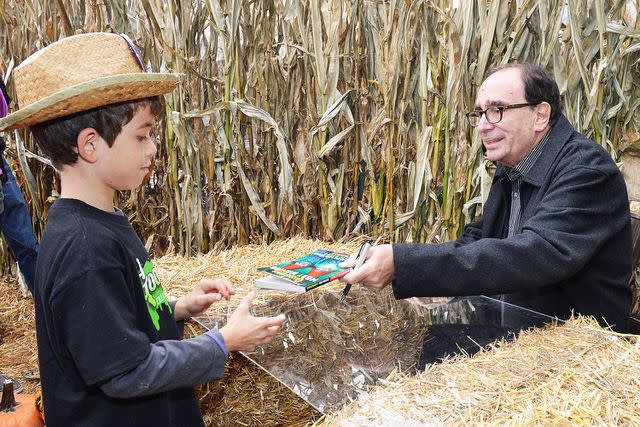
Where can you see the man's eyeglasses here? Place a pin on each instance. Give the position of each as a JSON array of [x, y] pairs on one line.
[[493, 114]]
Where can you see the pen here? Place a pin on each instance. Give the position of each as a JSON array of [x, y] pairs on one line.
[[362, 255]]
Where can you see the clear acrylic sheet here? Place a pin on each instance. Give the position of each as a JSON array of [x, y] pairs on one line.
[[329, 352]]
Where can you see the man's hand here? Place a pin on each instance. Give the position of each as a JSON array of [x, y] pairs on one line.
[[377, 271], [200, 299], [244, 332]]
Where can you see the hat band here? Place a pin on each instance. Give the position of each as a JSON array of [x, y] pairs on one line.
[[4, 109]]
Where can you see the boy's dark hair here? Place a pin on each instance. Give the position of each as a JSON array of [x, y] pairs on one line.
[[57, 138], [539, 86]]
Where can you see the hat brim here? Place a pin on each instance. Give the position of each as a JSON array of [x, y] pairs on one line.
[[89, 95]]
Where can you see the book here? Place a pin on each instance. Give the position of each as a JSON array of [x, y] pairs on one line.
[[304, 273]]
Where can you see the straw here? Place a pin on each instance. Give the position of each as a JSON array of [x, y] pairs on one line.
[[18, 349], [578, 373], [575, 374]]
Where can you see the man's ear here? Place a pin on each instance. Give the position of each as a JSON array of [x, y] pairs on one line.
[[543, 116], [86, 144]]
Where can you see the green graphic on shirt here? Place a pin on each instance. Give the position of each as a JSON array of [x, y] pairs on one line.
[[153, 292]]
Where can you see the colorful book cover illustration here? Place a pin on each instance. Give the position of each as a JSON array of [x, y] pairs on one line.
[[305, 273]]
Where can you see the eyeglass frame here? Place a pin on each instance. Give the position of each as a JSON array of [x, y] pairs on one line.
[[500, 109]]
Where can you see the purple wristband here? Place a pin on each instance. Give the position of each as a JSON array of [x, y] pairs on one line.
[[223, 347]]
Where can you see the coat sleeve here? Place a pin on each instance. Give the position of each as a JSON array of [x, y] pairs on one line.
[[576, 215], [471, 233]]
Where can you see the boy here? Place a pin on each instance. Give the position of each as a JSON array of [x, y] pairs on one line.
[[108, 341]]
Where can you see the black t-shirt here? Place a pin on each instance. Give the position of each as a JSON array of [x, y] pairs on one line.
[[99, 305]]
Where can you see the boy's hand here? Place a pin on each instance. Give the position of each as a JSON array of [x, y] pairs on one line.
[[244, 332], [200, 299]]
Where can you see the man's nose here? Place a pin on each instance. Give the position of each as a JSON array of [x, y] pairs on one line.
[[484, 124]]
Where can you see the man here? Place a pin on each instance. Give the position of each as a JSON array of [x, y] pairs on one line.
[[555, 232]]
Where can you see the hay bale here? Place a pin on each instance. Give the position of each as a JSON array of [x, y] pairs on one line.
[[239, 264], [247, 395], [18, 348], [323, 343], [577, 373], [320, 347]]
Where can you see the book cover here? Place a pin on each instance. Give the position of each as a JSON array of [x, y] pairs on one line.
[[304, 273]]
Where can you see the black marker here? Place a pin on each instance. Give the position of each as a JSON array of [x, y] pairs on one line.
[[362, 256]]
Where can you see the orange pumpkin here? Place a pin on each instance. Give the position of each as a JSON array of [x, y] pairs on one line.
[[19, 410]]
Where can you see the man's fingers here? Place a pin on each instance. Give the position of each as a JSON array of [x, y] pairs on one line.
[[356, 276], [349, 262]]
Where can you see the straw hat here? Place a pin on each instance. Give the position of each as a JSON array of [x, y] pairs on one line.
[[79, 73]]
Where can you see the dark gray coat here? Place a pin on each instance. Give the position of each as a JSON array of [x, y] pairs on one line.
[[572, 250]]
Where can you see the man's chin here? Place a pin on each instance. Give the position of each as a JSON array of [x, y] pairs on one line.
[[492, 156]]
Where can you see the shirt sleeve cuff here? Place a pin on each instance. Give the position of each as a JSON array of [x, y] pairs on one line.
[[215, 335], [180, 323]]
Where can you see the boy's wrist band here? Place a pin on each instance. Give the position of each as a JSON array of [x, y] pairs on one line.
[[211, 334]]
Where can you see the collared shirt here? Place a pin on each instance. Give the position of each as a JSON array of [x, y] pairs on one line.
[[515, 175]]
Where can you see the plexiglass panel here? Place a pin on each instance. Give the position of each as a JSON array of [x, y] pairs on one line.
[[329, 351]]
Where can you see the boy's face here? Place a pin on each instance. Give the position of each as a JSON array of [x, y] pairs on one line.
[[129, 160]]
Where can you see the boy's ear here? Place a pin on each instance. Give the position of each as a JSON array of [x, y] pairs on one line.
[[86, 144]]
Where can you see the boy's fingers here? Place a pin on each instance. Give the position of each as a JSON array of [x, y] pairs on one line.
[[246, 302], [273, 321], [221, 286], [208, 298], [273, 329]]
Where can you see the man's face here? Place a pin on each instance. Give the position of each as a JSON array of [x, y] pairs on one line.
[[509, 140]]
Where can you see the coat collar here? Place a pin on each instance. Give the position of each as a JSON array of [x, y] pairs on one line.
[[558, 136]]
